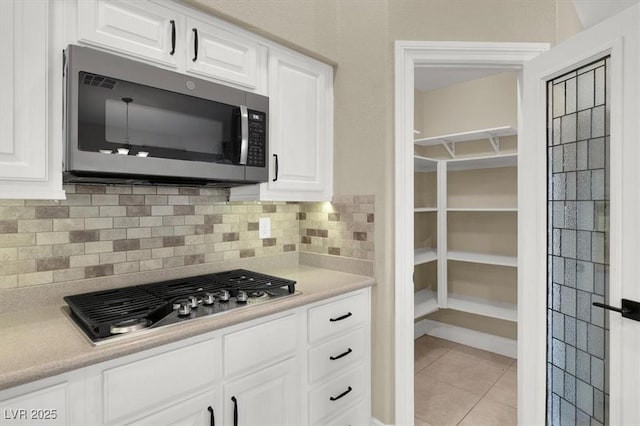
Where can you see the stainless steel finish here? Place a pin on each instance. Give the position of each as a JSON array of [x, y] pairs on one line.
[[209, 298], [241, 297], [194, 301], [244, 124], [185, 308], [94, 167], [127, 326], [224, 295]]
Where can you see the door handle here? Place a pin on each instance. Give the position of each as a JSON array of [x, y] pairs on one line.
[[173, 37], [630, 309], [277, 166], [212, 416]]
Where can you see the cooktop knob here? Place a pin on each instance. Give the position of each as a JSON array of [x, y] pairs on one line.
[[241, 297], [184, 309], [209, 298], [224, 295], [194, 301]]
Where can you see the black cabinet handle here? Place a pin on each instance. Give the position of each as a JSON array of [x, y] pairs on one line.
[[276, 157], [195, 44], [345, 316], [213, 416], [235, 411], [173, 37], [335, 398], [333, 358]]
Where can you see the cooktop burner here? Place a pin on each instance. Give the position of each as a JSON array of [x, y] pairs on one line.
[[110, 313]]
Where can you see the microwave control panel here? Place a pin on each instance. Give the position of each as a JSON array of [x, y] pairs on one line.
[[257, 152]]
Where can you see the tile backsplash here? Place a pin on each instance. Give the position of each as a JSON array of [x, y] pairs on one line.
[[109, 230]]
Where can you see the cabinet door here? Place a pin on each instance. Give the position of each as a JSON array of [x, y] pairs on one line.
[[221, 54], [196, 411], [141, 28], [301, 127], [28, 166], [53, 401], [269, 397]]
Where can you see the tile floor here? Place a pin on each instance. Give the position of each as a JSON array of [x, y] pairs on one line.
[[460, 385]]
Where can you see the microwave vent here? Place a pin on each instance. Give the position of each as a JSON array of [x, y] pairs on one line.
[[99, 81]]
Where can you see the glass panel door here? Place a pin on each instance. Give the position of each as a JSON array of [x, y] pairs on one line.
[[578, 258]]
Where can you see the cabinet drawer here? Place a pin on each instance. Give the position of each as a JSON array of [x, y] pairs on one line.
[[337, 317], [139, 387], [354, 416], [249, 349], [336, 395], [335, 355]]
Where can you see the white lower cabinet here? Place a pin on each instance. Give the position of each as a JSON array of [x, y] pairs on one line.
[[196, 411], [339, 373], [56, 400], [268, 371], [135, 388], [268, 397]]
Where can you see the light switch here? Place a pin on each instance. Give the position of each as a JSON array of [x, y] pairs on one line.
[[264, 227]]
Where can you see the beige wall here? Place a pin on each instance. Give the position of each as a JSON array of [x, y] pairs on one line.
[[358, 35]]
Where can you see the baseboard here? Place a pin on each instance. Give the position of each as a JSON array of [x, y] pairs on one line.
[[376, 422], [465, 336]]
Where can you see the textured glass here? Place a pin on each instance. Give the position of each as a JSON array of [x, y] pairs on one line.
[[570, 95], [585, 215], [600, 83], [596, 153], [584, 276], [558, 96], [582, 155], [568, 128], [578, 275], [597, 122], [585, 91], [569, 157], [584, 124]]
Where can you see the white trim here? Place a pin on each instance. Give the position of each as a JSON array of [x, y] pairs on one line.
[[376, 422], [408, 55], [476, 339]]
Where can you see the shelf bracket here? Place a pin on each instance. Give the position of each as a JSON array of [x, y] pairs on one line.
[[495, 143], [450, 147]]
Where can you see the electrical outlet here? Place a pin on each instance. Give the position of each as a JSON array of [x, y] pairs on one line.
[[264, 227]]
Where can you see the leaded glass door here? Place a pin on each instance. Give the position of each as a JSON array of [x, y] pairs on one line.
[[579, 226], [578, 223]]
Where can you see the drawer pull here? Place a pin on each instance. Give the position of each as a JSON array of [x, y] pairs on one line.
[[335, 398], [345, 316], [333, 358]]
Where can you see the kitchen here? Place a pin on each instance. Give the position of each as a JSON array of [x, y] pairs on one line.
[[359, 44]]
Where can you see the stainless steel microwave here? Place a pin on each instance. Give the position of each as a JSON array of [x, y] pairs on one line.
[[129, 122]]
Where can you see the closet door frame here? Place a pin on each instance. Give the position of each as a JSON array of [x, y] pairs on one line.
[[408, 56]]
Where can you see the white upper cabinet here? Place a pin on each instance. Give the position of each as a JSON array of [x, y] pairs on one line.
[[30, 153], [141, 28], [300, 133], [220, 54], [175, 37]]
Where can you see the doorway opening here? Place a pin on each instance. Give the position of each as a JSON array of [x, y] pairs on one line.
[[456, 213]]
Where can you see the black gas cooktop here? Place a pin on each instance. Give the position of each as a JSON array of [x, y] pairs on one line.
[[123, 311]]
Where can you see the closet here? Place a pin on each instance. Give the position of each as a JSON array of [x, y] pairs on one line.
[[465, 213]]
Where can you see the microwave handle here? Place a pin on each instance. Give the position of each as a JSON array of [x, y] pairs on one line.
[[244, 128]]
